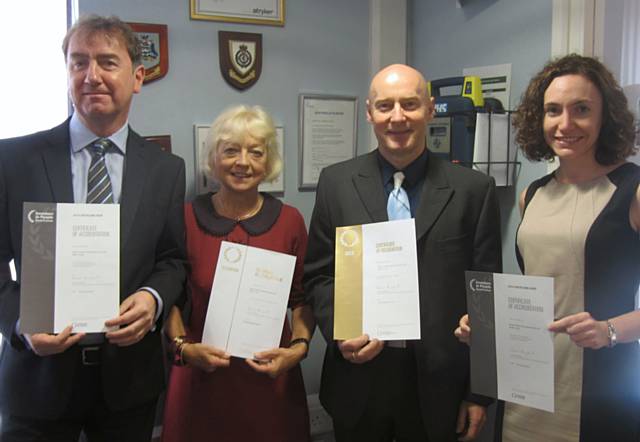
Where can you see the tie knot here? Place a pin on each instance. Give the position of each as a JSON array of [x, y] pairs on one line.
[[398, 178], [101, 146]]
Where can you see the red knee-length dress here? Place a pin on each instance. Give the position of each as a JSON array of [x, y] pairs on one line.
[[237, 403]]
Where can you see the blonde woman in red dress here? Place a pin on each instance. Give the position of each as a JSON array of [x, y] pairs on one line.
[[212, 396]]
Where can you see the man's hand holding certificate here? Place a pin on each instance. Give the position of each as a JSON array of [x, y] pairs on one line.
[[70, 267], [376, 281]]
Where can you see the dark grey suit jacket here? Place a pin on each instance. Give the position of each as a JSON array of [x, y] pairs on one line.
[[457, 229], [37, 168]]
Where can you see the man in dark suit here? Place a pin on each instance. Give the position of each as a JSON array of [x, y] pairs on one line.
[[54, 386], [414, 390]]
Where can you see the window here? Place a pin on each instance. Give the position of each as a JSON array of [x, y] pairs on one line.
[[33, 83]]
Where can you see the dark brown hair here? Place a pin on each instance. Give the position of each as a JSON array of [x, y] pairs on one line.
[[617, 134], [111, 26]]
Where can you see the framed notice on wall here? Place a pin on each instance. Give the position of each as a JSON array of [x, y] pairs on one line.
[[203, 182], [277, 185], [262, 12], [328, 132]]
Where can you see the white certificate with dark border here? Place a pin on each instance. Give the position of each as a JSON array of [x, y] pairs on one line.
[[70, 267], [511, 348], [248, 299]]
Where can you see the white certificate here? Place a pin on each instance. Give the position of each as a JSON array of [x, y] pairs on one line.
[[509, 316], [377, 274], [87, 266], [524, 346], [248, 299], [70, 267]]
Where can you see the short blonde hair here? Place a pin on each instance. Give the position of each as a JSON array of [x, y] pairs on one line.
[[233, 125]]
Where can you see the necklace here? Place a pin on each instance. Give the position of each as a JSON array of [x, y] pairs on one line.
[[227, 212]]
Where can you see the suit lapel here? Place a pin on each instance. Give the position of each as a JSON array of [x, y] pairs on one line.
[[367, 181], [435, 195], [135, 175], [56, 157]]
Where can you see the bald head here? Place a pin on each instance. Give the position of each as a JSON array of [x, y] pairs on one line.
[[399, 109], [395, 74]]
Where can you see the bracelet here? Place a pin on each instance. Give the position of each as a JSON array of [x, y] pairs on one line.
[[298, 341], [180, 359], [612, 334], [179, 343]]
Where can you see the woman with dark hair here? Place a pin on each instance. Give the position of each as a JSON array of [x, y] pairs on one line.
[[580, 225]]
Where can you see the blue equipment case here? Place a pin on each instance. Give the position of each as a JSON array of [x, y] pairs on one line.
[[451, 133]]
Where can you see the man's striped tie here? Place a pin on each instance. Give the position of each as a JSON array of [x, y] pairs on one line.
[[98, 183]]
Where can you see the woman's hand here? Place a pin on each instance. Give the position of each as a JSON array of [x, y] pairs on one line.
[[583, 330], [204, 357], [463, 332], [277, 360]]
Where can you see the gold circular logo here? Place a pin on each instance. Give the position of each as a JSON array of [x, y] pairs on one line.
[[349, 238], [232, 254]]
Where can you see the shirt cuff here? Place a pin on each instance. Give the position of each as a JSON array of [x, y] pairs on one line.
[[159, 304], [25, 338]]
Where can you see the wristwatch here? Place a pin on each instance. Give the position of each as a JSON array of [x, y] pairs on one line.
[[298, 341], [612, 334]]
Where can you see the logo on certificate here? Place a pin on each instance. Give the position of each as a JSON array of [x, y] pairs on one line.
[[232, 254], [349, 238], [35, 216], [240, 55], [477, 285]]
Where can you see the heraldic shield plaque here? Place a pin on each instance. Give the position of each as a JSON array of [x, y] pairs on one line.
[[240, 56], [155, 49]]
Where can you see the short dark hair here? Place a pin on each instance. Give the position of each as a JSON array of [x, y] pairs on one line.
[[111, 26], [617, 134]]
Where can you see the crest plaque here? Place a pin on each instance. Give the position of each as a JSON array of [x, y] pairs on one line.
[[240, 56], [155, 49]]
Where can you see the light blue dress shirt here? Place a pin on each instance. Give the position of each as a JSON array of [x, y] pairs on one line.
[[81, 137]]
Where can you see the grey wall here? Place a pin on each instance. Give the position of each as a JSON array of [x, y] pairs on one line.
[[324, 47], [613, 29], [444, 39]]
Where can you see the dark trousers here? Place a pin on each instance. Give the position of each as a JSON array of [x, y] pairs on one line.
[[392, 412], [87, 411]]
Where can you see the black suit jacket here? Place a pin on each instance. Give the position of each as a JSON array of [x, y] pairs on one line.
[[457, 229], [37, 168]]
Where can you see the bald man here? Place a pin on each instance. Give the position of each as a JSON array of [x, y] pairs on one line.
[[413, 390]]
